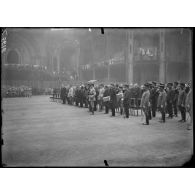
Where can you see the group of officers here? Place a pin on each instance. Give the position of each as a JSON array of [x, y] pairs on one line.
[[151, 97]]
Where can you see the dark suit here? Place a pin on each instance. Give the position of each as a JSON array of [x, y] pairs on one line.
[[126, 102], [113, 100]]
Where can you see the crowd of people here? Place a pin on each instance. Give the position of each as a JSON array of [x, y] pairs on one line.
[[21, 91], [152, 97]]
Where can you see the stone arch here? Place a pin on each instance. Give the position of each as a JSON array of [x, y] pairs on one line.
[[13, 56]]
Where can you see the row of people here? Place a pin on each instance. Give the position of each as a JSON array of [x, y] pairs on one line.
[[21, 91], [153, 97], [167, 99]]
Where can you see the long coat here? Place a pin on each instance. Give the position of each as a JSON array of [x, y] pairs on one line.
[[162, 100], [113, 99], [188, 102], [181, 98], [145, 99]]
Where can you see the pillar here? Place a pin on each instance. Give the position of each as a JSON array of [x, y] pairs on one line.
[[190, 55], [129, 57], [162, 68], [58, 62]]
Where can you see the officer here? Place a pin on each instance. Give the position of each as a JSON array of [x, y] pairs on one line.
[[170, 97], [162, 102], [92, 94], [126, 101], [175, 97], [181, 102], [145, 104], [189, 107], [153, 98], [113, 99], [106, 104], [82, 96], [63, 94]]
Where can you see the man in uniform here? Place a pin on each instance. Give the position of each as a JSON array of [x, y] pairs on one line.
[[126, 101], [92, 94], [145, 104], [170, 97], [153, 98], [113, 99], [189, 107], [175, 97], [181, 102], [162, 102], [63, 94], [106, 94]]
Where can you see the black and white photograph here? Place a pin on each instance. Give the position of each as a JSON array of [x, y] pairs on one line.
[[96, 96]]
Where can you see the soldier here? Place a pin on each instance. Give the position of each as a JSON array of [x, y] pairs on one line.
[[113, 100], [106, 94], [121, 99], [175, 97], [162, 102], [153, 98], [100, 97], [181, 102], [126, 101], [82, 96], [189, 107], [92, 94], [170, 97], [63, 94], [145, 102]]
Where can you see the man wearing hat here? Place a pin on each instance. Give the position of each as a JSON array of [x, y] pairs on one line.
[[181, 102], [63, 94], [189, 106], [145, 104], [153, 98], [113, 99], [106, 94], [92, 94], [175, 97], [126, 101], [170, 96], [162, 102]]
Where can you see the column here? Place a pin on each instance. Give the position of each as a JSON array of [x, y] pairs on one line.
[[162, 68], [129, 57], [190, 55], [58, 62]]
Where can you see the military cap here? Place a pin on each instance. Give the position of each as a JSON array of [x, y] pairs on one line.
[[154, 82], [169, 84], [146, 84], [161, 85]]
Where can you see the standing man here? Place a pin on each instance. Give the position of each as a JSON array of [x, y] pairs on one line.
[[170, 97], [181, 102], [175, 97], [153, 98], [63, 94], [113, 99], [162, 102], [106, 94], [100, 97], [145, 103], [92, 94], [189, 107], [126, 101]]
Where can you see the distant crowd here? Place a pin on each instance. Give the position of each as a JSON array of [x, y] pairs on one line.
[[21, 91], [168, 99], [24, 91]]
